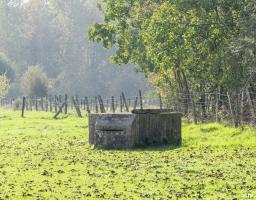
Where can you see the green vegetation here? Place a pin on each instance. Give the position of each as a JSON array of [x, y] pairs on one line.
[[4, 85], [34, 82], [194, 46], [52, 34], [44, 158], [6, 66], [188, 48]]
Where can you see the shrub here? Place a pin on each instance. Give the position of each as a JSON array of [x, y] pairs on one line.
[[34, 82], [16, 105]]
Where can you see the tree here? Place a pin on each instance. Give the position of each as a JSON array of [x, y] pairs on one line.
[[186, 43], [51, 33], [34, 82], [6, 66], [4, 85]]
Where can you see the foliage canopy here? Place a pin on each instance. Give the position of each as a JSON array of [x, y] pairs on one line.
[[191, 45]]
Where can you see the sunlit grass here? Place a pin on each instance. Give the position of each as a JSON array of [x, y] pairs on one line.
[[42, 158]]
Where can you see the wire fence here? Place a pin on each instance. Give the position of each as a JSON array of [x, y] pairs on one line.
[[238, 108]]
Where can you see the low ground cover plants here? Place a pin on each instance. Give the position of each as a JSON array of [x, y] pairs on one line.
[[42, 158]]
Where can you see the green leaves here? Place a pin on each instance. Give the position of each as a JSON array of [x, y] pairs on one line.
[[189, 36]]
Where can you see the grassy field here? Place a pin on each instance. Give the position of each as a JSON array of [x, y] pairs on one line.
[[41, 158]]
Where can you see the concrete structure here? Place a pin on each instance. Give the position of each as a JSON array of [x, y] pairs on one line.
[[140, 128]]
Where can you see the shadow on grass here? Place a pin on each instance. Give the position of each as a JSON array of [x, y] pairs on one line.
[[140, 148], [208, 130]]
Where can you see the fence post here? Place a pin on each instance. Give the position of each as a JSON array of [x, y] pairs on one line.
[[135, 103], [58, 112], [121, 104], [77, 101], [42, 103], [84, 103], [46, 104], [50, 103], [66, 104], [60, 103], [129, 103], [102, 108], [36, 101], [55, 103], [30, 103], [113, 104], [76, 105], [141, 103], [125, 103], [87, 105], [96, 105], [23, 106]]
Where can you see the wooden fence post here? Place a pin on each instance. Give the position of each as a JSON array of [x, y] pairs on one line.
[[84, 103], [129, 103], [113, 104], [135, 103], [60, 110], [42, 103], [125, 103], [87, 105], [36, 102], [141, 102], [46, 104], [50, 103], [75, 102], [102, 108], [30, 103], [66, 104], [96, 105], [121, 104], [55, 103], [23, 106]]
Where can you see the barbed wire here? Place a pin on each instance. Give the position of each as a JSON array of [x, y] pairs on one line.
[[203, 106]]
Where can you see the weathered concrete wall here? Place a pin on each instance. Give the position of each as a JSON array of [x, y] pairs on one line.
[[147, 127], [111, 130], [155, 129]]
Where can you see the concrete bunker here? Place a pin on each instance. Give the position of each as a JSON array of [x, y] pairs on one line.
[[139, 128]]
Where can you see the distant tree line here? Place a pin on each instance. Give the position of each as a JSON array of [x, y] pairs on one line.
[[52, 35]]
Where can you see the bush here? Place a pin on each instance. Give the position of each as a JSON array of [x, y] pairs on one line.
[[34, 82], [16, 105], [4, 85]]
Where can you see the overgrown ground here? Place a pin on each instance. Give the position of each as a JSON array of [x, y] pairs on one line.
[[41, 158]]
